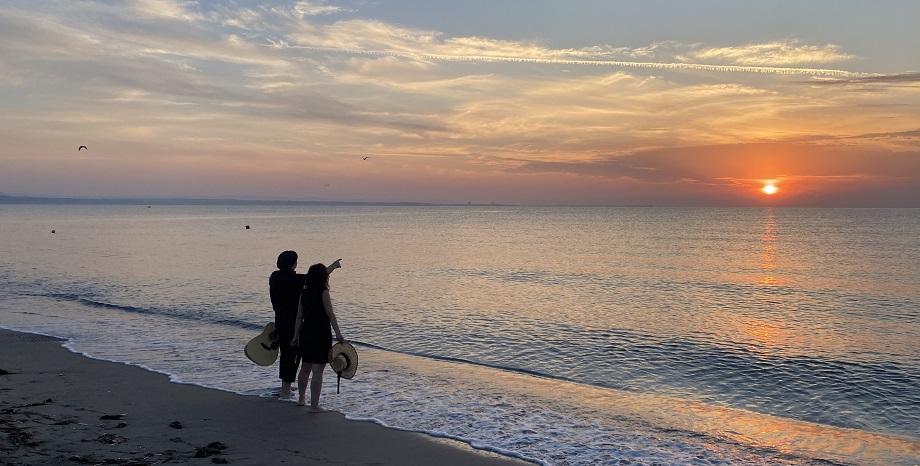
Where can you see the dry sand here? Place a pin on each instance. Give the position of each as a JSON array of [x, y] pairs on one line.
[[52, 404]]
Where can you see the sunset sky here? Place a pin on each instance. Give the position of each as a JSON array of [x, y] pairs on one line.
[[534, 102]]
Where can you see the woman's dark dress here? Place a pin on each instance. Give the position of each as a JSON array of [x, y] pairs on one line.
[[315, 333]]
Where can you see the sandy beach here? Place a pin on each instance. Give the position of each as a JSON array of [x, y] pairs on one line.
[[58, 407]]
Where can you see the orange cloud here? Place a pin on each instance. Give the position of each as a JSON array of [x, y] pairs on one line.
[[805, 173]]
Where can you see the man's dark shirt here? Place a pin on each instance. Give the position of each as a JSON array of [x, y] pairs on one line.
[[285, 287]]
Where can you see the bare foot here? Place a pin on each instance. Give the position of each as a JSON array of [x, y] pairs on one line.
[[300, 402], [317, 409]]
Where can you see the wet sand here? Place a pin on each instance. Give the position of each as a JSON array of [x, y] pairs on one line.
[[57, 407]]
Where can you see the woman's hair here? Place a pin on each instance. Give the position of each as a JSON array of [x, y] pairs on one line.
[[317, 279], [287, 260]]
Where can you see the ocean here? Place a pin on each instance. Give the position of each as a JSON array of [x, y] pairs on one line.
[[562, 335]]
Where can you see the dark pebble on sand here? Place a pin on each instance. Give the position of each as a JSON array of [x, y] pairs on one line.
[[112, 417], [3, 372], [19, 437], [213, 448], [49, 400], [121, 425], [204, 452], [111, 439], [175, 425], [91, 459]]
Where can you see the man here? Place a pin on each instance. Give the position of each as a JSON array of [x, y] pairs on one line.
[[285, 286]]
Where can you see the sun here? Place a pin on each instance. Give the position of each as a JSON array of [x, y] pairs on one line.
[[769, 188]]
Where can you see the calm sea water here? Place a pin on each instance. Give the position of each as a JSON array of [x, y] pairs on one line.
[[561, 335]]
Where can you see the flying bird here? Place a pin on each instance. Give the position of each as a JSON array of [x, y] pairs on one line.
[[81, 148], [365, 157]]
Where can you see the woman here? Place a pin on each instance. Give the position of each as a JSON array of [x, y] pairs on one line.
[[312, 334]]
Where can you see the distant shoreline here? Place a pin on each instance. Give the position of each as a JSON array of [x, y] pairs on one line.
[[7, 199]]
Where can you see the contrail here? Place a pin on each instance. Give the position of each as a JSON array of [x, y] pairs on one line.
[[561, 61]]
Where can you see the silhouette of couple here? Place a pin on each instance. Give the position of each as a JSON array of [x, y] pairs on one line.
[[303, 316]]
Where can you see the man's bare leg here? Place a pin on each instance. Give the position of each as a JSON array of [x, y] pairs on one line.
[[285, 390]]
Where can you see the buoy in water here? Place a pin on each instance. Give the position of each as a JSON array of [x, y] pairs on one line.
[[247, 227], [52, 232]]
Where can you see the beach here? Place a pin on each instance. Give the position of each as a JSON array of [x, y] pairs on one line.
[[59, 407]]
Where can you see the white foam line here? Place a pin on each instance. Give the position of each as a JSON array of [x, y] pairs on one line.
[[68, 343], [439, 434], [562, 61]]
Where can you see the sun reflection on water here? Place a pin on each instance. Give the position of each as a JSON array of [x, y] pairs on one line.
[[768, 250]]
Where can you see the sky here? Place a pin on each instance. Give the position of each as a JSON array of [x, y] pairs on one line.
[[589, 102]]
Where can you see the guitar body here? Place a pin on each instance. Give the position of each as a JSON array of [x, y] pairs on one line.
[[263, 349]]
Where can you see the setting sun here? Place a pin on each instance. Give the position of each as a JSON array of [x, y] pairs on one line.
[[769, 188]]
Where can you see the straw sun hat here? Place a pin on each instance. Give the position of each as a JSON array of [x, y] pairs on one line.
[[344, 361]]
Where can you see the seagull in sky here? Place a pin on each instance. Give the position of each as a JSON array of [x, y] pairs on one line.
[[365, 157], [81, 148]]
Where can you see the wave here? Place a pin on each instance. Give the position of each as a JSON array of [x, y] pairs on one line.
[[257, 327], [897, 309], [151, 311]]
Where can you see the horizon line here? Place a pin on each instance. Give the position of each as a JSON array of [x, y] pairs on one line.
[[13, 199]]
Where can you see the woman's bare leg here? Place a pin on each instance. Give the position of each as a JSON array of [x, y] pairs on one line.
[[317, 385], [302, 379]]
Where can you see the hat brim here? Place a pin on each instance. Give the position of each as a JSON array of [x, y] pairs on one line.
[[348, 352]]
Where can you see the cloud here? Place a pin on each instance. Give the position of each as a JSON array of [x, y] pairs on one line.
[[808, 174], [165, 9], [375, 39], [309, 8], [912, 134], [664, 66], [159, 65], [749, 161], [780, 53], [910, 79]]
